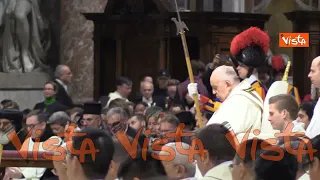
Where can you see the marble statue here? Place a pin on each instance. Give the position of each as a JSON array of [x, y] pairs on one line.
[[22, 27]]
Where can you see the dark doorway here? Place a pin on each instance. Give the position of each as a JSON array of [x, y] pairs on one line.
[[177, 59], [107, 66]]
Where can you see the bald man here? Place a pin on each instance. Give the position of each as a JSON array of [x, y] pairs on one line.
[[314, 75], [147, 90], [241, 105]]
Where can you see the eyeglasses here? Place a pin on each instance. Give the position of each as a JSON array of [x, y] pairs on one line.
[[31, 126]]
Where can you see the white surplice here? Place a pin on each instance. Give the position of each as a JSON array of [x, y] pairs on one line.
[[241, 109], [314, 127]]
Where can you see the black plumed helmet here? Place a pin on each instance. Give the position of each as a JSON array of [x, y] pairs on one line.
[[250, 47]]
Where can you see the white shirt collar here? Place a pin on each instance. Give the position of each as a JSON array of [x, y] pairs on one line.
[[252, 78], [148, 101], [62, 84]]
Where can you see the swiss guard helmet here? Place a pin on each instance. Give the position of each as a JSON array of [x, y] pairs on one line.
[[279, 63], [250, 48]]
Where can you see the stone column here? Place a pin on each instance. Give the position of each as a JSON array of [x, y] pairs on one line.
[[77, 44], [279, 23]]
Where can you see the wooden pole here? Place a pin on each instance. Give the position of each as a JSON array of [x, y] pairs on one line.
[[181, 26]]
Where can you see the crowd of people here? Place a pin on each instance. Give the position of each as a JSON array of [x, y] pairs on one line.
[[157, 134]]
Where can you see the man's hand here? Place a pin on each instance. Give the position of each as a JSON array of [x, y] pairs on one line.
[[193, 89]]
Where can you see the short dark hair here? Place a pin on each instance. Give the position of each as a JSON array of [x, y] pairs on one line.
[[176, 105], [98, 168], [285, 168], [148, 169], [5, 101], [41, 116], [286, 102], [308, 107], [141, 103], [123, 80], [195, 67], [120, 103], [153, 111], [171, 119], [140, 117], [9, 104], [213, 138]]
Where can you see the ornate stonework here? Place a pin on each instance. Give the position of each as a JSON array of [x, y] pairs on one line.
[[77, 44]]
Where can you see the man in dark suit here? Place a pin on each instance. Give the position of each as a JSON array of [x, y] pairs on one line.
[[148, 97], [63, 77]]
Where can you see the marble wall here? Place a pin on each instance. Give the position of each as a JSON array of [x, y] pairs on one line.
[[77, 45]]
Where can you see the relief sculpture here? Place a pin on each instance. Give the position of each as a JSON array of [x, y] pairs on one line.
[[24, 39]]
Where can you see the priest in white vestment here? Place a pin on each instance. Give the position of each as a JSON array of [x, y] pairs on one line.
[[314, 127], [241, 105]]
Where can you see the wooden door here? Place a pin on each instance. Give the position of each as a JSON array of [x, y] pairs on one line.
[[177, 62], [141, 57], [107, 66]]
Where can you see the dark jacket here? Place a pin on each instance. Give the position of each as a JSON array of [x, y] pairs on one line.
[[52, 108], [62, 96], [132, 133], [159, 101]]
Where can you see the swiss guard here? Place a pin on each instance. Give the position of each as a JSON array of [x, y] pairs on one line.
[[278, 64], [247, 69]]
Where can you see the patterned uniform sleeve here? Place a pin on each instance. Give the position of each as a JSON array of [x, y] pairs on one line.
[[294, 92], [260, 89], [209, 104]]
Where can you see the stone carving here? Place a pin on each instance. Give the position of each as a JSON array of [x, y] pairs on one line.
[[23, 48], [259, 6], [308, 5]]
